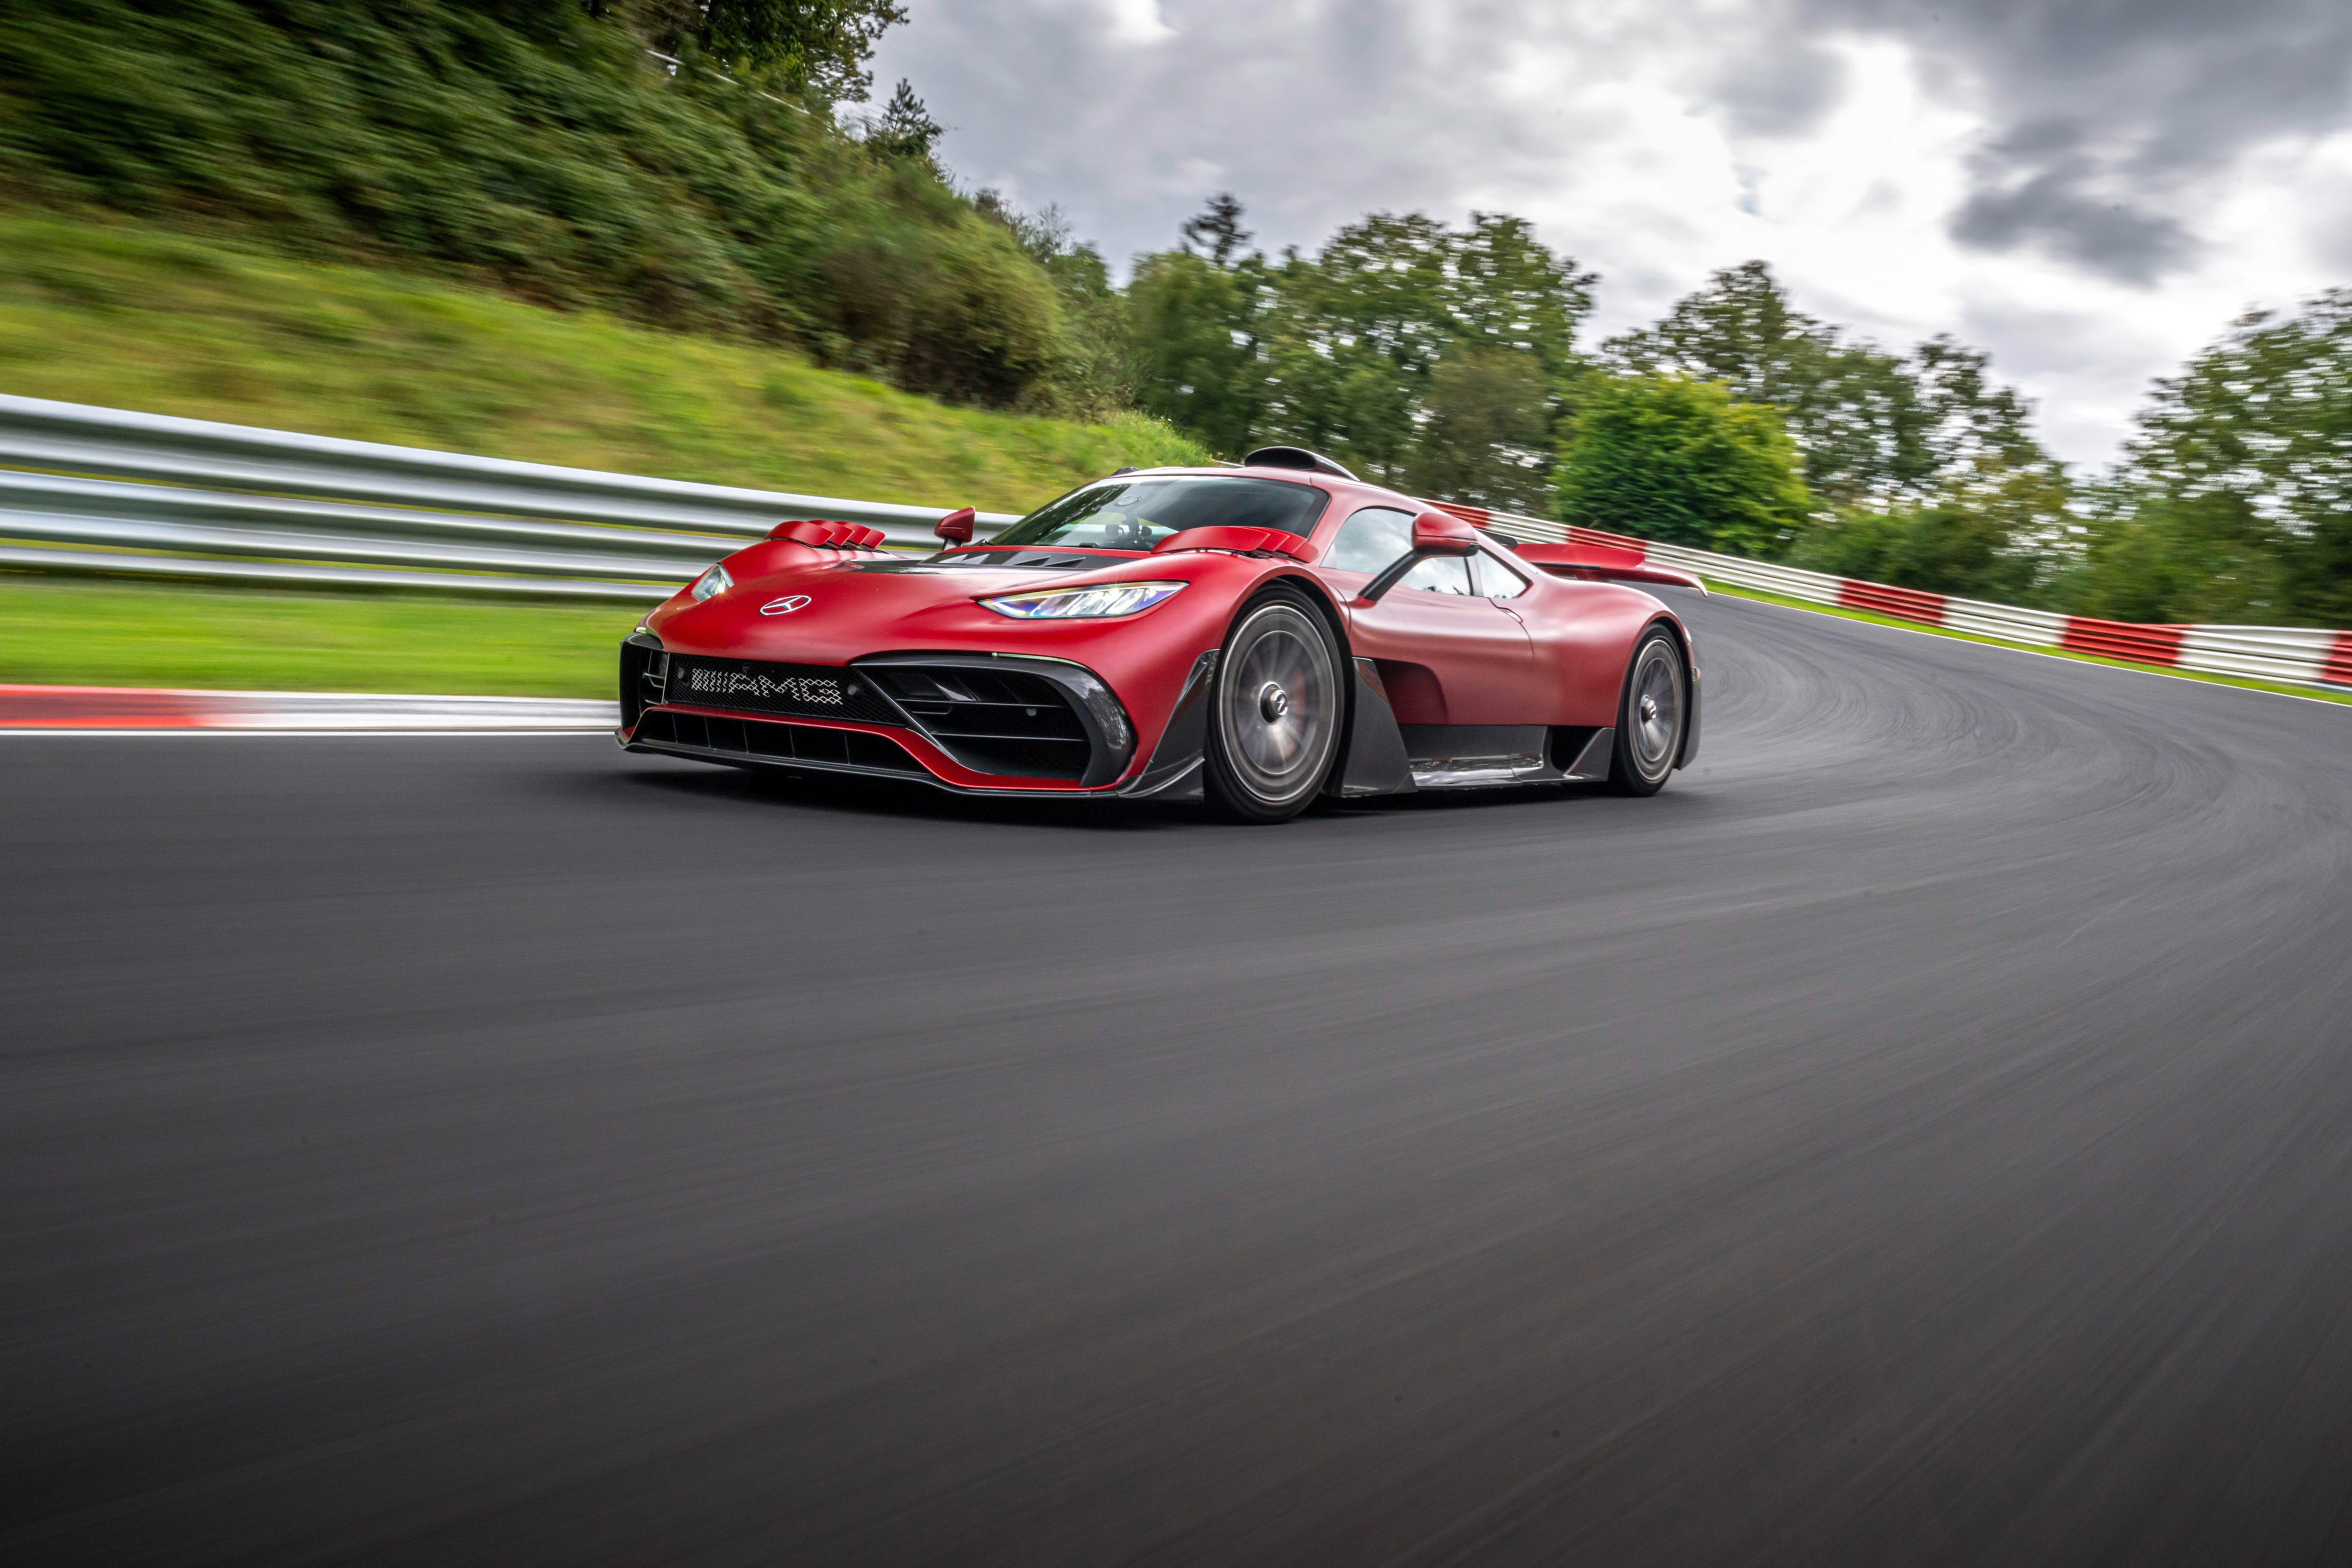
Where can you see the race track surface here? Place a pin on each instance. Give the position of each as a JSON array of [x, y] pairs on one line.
[[1921, 1135]]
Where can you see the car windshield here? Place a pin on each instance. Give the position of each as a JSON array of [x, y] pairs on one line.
[[1136, 514]]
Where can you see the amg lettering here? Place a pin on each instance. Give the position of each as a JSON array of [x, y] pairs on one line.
[[814, 691]]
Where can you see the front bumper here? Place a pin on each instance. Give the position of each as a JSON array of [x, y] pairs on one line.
[[977, 723]]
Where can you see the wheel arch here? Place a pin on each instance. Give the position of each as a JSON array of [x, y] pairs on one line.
[[1319, 597], [1316, 594], [1689, 650]]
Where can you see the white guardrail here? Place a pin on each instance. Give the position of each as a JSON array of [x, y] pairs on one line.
[[2293, 655], [103, 490]]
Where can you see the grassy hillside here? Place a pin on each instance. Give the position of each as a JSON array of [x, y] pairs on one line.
[[132, 319], [537, 143], [135, 319]]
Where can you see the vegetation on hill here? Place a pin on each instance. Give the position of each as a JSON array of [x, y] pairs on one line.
[[133, 318], [688, 166], [540, 144]]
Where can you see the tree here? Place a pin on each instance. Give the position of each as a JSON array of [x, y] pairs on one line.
[[1682, 461], [1485, 436], [817, 48], [2236, 492], [1218, 227], [1353, 339], [1099, 373], [1877, 429], [906, 129], [1191, 324]]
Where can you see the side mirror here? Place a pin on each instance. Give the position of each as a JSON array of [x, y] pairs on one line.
[[1441, 533], [1434, 534], [956, 526]]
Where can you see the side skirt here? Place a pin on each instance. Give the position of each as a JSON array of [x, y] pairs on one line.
[[1488, 756], [1376, 760]]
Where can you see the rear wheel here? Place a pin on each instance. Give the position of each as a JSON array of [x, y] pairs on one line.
[[1651, 715], [1273, 726]]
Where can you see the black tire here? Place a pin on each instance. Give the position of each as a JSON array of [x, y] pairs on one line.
[[1275, 712], [1651, 715]]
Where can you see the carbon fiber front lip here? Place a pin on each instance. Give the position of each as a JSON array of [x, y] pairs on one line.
[[920, 775]]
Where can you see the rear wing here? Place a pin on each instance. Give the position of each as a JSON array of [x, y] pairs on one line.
[[1600, 564]]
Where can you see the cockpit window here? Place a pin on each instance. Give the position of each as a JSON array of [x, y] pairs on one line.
[[1136, 514]]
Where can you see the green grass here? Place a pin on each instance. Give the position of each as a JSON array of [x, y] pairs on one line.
[[55, 632], [132, 318], [2318, 693]]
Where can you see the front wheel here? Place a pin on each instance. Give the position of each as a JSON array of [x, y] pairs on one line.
[[1651, 715], [1273, 726]]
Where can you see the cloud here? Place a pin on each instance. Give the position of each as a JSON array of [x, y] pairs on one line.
[[1137, 21], [2106, 117], [1909, 166], [2054, 202], [1781, 90]]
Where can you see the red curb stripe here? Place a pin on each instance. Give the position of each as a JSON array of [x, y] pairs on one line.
[[1903, 604], [1475, 516], [102, 707], [2338, 669], [2122, 639], [1640, 547]]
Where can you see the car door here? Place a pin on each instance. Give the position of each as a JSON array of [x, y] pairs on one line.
[[1447, 654]]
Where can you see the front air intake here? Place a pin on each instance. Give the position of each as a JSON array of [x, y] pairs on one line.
[[1005, 722], [762, 740]]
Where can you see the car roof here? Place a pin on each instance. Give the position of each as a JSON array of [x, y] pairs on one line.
[[1313, 480]]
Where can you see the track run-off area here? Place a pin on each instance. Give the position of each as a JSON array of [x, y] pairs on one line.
[[1922, 1135]]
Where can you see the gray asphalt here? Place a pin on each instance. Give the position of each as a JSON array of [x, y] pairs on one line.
[[1923, 1134]]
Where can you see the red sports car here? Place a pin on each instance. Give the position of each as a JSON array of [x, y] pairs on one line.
[[1257, 637]]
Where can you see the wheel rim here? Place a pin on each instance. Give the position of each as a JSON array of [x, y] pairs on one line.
[[1279, 704], [1655, 711]]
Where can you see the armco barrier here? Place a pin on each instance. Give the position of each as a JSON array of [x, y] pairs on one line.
[[2295, 655], [103, 490], [99, 490]]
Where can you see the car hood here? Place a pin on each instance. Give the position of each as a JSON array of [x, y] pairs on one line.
[[830, 612]]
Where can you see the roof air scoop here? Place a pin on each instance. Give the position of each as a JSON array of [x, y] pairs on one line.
[[1293, 458]]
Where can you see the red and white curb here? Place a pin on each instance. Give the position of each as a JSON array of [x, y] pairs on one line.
[[2296, 656], [86, 710]]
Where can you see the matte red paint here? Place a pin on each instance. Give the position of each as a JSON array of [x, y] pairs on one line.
[[1441, 533], [1603, 563], [1556, 654]]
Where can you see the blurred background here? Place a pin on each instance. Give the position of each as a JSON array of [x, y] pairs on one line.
[[709, 242]]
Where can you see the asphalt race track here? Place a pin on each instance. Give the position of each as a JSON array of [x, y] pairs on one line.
[[1923, 1134]]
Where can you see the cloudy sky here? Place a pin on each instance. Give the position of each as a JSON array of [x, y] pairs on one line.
[[2090, 189]]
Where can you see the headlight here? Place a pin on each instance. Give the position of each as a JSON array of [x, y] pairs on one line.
[[1072, 603], [714, 581]]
